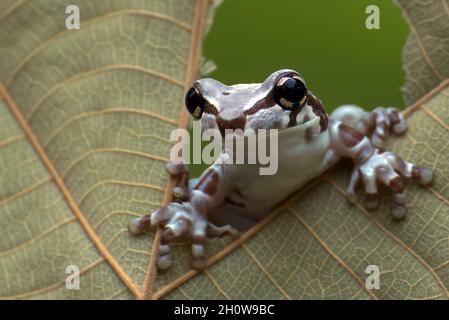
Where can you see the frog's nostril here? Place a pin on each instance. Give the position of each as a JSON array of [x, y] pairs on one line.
[[232, 124]]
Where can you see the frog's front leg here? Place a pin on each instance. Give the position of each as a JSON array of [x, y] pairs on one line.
[[358, 135], [180, 174], [377, 124], [188, 215]]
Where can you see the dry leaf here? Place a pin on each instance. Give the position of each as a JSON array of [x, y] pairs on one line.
[[426, 53], [83, 138], [318, 246], [85, 121]]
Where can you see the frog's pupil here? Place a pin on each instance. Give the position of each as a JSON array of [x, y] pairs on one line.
[[290, 93], [293, 90], [194, 103]]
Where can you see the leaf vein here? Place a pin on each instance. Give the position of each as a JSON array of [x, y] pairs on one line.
[[434, 117], [11, 8], [25, 191], [446, 6], [38, 237], [422, 47], [11, 140], [103, 112], [88, 23], [67, 194], [86, 74], [417, 105], [331, 253], [267, 274], [118, 182], [201, 11], [52, 286], [395, 238], [112, 150], [114, 213], [215, 283]]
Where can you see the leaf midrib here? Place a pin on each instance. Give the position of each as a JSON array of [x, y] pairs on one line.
[[86, 24], [69, 199], [201, 11], [407, 248], [421, 45]]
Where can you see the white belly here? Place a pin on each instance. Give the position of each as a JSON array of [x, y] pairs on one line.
[[299, 161]]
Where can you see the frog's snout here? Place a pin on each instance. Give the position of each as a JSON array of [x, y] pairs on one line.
[[231, 124]]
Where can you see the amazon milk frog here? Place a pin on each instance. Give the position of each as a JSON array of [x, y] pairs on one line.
[[228, 198]]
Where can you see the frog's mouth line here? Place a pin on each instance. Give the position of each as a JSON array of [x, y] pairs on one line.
[[315, 119], [318, 110], [306, 126], [318, 114], [312, 102]]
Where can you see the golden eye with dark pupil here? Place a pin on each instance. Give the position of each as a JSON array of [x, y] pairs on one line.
[[290, 93], [194, 103]]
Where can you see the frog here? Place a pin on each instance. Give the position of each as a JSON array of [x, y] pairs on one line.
[[230, 198]]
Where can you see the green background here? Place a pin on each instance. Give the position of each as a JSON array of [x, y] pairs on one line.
[[324, 40]]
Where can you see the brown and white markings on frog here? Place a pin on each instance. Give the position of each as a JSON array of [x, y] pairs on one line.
[[229, 197]]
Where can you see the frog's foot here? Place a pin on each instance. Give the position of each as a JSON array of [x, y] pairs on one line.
[[373, 165], [385, 121], [176, 219], [377, 124], [180, 219], [180, 174], [389, 169]]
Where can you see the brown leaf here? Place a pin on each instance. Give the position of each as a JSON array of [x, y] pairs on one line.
[[85, 120], [426, 53], [84, 126]]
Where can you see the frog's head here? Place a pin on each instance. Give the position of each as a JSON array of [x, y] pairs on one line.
[[281, 101]]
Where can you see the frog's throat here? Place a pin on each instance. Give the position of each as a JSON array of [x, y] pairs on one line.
[[301, 129]]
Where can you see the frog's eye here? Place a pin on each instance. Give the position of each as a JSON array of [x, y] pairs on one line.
[[194, 103], [290, 93]]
